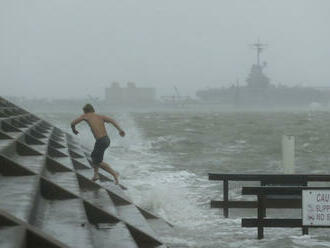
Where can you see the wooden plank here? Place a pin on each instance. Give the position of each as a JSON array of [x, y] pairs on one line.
[[234, 204], [278, 190], [269, 203], [283, 203], [269, 222], [259, 177]]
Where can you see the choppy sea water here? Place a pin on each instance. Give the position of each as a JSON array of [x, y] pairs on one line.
[[166, 156]]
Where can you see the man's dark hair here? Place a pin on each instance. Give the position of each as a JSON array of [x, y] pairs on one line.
[[88, 108]]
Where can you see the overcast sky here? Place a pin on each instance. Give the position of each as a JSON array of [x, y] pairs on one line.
[[75, 48]]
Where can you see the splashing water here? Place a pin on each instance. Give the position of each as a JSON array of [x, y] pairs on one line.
[[165, 158]]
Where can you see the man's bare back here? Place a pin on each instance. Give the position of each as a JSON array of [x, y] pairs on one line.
[[96, 123]]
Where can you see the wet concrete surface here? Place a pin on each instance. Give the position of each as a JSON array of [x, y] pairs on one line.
[[66, 221], [45, 187], [16, 195]]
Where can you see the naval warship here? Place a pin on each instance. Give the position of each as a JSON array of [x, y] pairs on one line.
[[260, 92]]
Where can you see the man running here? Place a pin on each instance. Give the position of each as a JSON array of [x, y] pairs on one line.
[[96, 123]]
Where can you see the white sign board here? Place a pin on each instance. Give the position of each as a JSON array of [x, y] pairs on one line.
[[316, 207]]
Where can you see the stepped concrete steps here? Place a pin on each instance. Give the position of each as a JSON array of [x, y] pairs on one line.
[[115, 235], [106, 183], [5, 143], [95, 194], [23, 149], [161, 226], [88, 174], [66, 180], [114, 230], [132, 215], [57, 144], [142, 239], [114, 192], [10, 167], [100, 198], [18, 123], [33, 163], [45, 178], [116, 189], [11, 236], [32, 140], [156, 223], [64, 150], [14, 135], [97, 215], [40, 148], [54, 165], [8, 135], [11, 111], [13, 116], [7, 127], [45, 133], [17, 194], [81, 164], [36, 145], [41, 136], [58, 138], [65, 220], [76, 153], [25, 235], [57, 152], [73, 143], [124, 208], [99, 218], [22, 122], [64, 161]]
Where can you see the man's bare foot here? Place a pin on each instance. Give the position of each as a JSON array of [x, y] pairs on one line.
[[95, 178], [116, 178]]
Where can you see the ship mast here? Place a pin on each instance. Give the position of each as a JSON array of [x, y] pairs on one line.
[[259, 47]]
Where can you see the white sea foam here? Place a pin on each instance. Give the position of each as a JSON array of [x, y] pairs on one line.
[[153, 182]]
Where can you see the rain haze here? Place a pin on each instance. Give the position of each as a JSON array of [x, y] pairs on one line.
[[62, 48], [183, 81]]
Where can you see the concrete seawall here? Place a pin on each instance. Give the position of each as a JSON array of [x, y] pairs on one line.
[[48, 200]]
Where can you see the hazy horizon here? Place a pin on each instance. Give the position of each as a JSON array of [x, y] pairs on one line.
[[71, 48]]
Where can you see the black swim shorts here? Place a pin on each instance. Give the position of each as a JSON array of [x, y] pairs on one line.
[[100, 145]]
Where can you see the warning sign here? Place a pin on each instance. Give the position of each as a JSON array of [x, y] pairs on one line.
[[316, 207]]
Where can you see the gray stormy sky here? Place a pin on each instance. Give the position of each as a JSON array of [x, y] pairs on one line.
[[72, 48]]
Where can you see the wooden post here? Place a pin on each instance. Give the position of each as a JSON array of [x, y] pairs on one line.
[[263, 183], [225, 198], [261, 209], [305, 230]]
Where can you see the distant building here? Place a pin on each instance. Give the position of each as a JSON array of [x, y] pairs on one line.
[[129, 95]]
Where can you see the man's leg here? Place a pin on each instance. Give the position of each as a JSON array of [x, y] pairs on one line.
[[96, 172], [107, 168]]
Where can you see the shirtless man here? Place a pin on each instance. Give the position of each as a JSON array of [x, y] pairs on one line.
[[96, 123]]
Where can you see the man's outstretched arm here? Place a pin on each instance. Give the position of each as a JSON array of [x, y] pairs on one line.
[[75, 122], [107, 119]]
